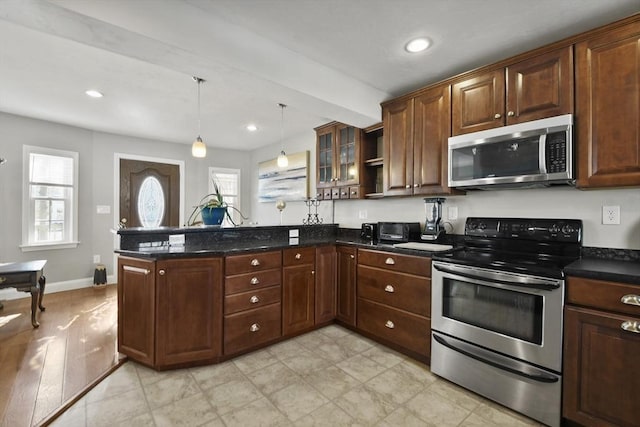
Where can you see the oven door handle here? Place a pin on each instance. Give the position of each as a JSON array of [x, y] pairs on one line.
[[528, 282], [540, 376]]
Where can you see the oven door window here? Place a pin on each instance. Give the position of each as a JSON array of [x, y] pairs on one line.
[[511, 313]]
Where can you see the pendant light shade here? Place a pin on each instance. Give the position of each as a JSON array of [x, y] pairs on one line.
[[283, 160], [198, 148]]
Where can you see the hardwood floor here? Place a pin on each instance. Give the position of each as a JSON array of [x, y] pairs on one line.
[[43, 369]]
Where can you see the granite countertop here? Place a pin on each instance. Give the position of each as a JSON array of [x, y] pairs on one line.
[[624, 271]]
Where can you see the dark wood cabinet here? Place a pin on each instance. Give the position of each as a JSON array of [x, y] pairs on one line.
[[298, 290], [338, 161], [252, 301], [394, 300], [189, 310], [534, 88], [601, 384], [346, 276], [136, 309], [607, 94], [415, 143], [325, 286], [170, 311]]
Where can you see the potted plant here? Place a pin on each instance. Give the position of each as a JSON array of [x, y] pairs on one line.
[[212, 209]]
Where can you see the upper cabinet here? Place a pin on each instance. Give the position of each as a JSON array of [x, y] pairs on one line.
[[535, 88], [416, 131], [608, 108]]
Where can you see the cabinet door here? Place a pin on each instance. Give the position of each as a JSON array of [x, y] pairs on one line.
[[136, 309], [346, 275], [608, 122], [325, 157], [325, 295], [601, 383], [398, 148], [347, 155], [189, 310], [540, 87], [478, 103], [298, 302], [432, 128]]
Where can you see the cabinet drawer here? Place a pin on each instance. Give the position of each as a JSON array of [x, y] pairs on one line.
[[405, 329], [396, 262], [298, 256], [238, 264], [250, 281], [13, 279], [251, 328], [326, 194], [250, 300], [399, 290], [354, 192], [603, 295]]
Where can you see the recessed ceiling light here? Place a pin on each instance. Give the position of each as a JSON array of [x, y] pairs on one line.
[[94, 93], [417, 45], [252, 128]]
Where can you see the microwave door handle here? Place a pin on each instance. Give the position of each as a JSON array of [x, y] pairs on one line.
[[535, 375], [542, 153], [530, 282]]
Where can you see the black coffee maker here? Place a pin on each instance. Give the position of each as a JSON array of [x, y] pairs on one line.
[[369, 232]]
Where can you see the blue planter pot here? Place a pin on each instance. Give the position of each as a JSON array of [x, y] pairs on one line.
[[213, 216]]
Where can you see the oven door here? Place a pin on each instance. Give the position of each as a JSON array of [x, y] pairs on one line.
[[513, 314]]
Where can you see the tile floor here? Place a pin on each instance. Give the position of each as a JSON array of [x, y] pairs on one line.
[[328, 377]]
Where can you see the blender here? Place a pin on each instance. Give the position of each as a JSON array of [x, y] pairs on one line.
[[432, 226]]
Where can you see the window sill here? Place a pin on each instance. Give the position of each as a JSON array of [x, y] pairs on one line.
[[49, 246]]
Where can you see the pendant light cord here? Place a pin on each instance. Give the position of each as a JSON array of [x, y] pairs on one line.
[[199, 81], [282, 107]]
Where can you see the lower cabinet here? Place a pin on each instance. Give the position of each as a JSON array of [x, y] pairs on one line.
[[346, 277], [601, 381], [170, 311], [325, 284], [394, 300], [298, 289]]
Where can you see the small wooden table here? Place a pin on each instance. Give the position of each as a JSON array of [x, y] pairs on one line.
[[26, 277]]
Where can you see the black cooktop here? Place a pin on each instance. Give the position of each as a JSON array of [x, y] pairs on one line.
[[540, 247]]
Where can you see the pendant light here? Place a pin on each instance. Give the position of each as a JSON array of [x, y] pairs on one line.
[[198, 148], [283, 160]]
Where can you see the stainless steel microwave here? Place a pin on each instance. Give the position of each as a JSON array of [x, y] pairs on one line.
[[531, 154]]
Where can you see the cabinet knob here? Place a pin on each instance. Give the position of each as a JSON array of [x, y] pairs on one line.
[[511, 114], [631, 326], [255, 262], [631, 299], [313, 272], [254, 328], [354, 193], [254, 281], [352, 256], [390, 261], [407, 186], [389, 289], [389, 324], [254, 299], [161, 272], [497, 116], [344, 193], [416, 185], [298, 256]]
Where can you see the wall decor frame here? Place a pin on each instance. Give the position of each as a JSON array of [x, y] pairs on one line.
[[290, 183]]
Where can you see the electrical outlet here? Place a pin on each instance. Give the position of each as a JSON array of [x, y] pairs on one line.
[[611, 215], [362, 214], [96, 259]]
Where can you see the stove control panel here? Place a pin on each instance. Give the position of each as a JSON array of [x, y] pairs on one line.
[[538, 229]]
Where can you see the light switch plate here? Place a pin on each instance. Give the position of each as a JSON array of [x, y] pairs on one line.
[[176, 240], [103, 209], [294, 233]]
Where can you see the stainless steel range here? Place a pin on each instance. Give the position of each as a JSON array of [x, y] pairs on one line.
[[497, 311]]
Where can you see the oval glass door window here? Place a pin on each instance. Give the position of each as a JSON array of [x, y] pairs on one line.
[[151, 202]]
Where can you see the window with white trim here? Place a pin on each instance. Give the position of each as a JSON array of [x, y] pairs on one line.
[[229, 183], [50, 198]]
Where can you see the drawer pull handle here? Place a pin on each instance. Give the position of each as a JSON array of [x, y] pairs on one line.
[[3, 279], [389, 289], [631, 326], [255, 262], [631, 299], [254, 281], [254, 328], [144, 271], [161, 272], [390, 261], [298, 256], [389, 324], [254, 299]]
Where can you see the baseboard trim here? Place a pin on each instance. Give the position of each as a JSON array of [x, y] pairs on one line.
[[68, 285]]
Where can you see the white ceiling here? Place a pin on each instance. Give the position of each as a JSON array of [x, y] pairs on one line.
[[327, 60]]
